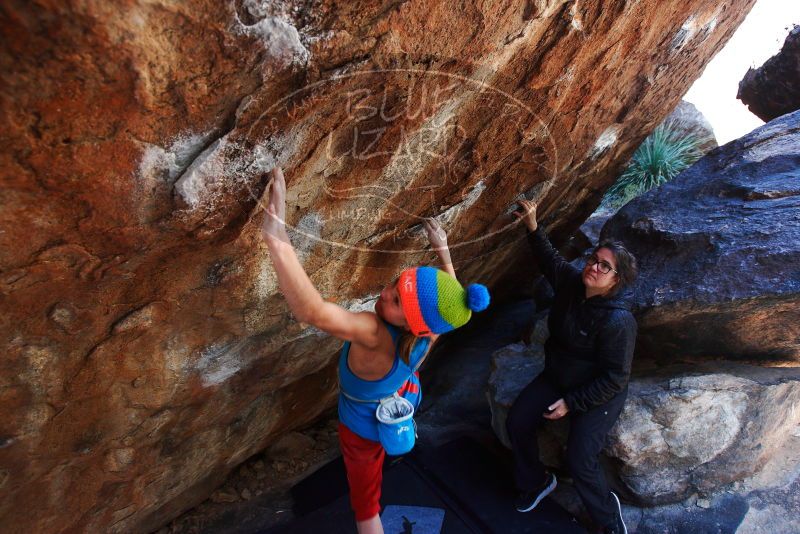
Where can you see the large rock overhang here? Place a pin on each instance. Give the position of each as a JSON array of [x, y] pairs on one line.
[[148, 350]]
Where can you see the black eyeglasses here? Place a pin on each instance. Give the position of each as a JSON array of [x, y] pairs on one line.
[[605, 267]]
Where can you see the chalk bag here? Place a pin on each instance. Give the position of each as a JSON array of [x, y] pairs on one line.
[[396, 428]]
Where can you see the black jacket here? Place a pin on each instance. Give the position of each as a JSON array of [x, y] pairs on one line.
[[589, 353]]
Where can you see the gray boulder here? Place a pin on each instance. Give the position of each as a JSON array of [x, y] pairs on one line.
[[719, 253], [686, 119], [702, 428], [772, 89]]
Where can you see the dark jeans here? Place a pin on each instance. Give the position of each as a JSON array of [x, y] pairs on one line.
[[587, 433]]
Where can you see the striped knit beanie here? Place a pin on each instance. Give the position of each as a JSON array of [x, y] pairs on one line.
[[434, 302]]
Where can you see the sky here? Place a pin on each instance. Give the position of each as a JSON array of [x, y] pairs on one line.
[[759, 37]]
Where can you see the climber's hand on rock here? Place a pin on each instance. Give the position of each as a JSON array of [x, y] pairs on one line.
[[526, 212], [436, 234], [274, 224]]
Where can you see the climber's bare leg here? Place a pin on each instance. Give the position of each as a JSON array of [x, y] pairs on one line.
[[370, 526]]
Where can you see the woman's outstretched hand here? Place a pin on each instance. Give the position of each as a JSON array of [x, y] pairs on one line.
[[527, 213], [274, 224], [436, 234]]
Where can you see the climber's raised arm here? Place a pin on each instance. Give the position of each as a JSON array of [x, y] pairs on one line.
[[304, 300]]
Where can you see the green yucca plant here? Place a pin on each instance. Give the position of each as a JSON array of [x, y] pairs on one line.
[[660, 158]]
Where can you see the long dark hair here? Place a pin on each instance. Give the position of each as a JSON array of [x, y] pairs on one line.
[[627, 268]]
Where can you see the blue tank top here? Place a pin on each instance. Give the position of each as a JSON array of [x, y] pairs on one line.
[[360, 416]]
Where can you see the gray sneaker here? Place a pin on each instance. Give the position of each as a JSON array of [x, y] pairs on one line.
[[528, 500]]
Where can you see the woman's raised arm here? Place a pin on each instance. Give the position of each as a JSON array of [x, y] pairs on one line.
[[304, 300], [554, 267]]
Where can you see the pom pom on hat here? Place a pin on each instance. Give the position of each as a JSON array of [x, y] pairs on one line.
[[477, 297], [434, 302]]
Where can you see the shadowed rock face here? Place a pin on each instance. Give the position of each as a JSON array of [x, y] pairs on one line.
[[719, 253], [772, 89], [147, 349]]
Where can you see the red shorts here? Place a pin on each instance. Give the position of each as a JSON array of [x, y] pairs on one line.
[[363, 459]]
